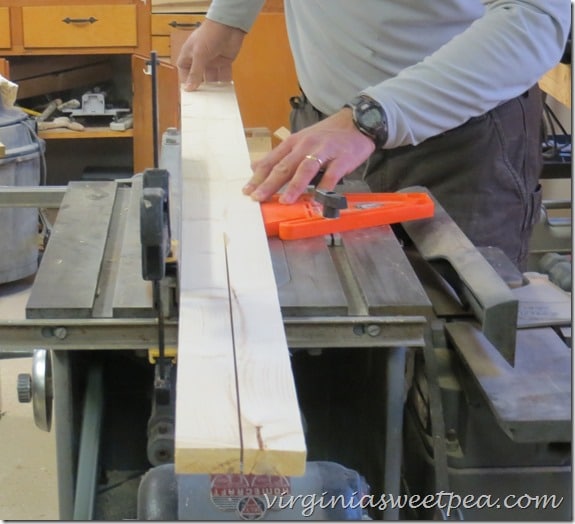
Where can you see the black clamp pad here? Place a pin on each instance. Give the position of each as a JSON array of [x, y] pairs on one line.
[[155, 223], [331, 201]]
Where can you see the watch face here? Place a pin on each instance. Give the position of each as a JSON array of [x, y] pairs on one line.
[[371, 117]]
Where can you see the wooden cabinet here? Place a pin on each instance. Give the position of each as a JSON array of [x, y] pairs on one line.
[[80, 30], [89, 38], [5, 39], [263, 73], [165, 24]]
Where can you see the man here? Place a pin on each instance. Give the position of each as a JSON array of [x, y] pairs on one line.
[[439, 93]]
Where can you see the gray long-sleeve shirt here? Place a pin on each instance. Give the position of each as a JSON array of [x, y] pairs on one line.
[[432, 64]]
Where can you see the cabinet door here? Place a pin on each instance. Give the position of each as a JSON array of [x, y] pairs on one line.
[[163, 25], [264, 74], [5, 37], [168, 91]]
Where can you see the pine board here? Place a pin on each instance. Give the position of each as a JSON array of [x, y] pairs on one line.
[[223, 237]]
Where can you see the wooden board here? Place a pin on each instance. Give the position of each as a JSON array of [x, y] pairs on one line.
[[224, 248]]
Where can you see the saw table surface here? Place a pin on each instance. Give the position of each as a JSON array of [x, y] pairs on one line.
[[90, 276], [91, 266], [367, 274]]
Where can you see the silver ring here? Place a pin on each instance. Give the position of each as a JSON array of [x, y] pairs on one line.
[[318, 160]]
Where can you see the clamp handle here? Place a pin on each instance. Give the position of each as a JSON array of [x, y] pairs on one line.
[[331, 201]]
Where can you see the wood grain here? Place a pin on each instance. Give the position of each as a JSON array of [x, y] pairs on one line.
[[228, 304]]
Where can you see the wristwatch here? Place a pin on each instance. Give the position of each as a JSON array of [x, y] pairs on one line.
[[369, 117]]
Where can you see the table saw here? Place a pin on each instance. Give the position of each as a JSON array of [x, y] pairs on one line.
[[420, 366]]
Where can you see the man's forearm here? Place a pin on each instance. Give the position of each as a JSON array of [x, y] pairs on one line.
[[235, 13], [500, 56]]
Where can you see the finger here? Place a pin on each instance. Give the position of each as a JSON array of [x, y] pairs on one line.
[[196, 74], [263, 167], [265, 186], [183, 71], [184, 63], [298, 174], [193, 81], [281, 173], [307, 169], [333, 174]]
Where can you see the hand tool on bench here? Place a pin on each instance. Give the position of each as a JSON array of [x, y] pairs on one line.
[[73, 103], [49, 110], [60, 122]]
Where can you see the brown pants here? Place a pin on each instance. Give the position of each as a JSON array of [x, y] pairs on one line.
[[484, 173]]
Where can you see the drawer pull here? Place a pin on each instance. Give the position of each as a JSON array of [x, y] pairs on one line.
[[193, 25], [69, 20]]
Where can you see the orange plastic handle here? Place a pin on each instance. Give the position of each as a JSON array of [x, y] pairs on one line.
[[304, 218]]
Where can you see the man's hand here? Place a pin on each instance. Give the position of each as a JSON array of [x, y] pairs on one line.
[[208, 53], [334, 144]]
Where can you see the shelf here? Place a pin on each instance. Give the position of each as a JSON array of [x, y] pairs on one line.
[[89, 132]]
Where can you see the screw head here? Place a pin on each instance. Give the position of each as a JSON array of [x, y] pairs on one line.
[[60, 332], [373, 330]]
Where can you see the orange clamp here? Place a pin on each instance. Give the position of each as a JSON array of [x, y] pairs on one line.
[[304, 218]]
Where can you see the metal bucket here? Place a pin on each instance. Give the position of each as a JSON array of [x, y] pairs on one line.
[[21, 165]]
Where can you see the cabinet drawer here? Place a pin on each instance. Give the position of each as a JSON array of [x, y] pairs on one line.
[[5, 41], [60, 26], [164, 24], [161, 44]]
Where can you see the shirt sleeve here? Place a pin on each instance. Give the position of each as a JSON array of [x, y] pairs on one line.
[[235, 13], [500, 56]]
